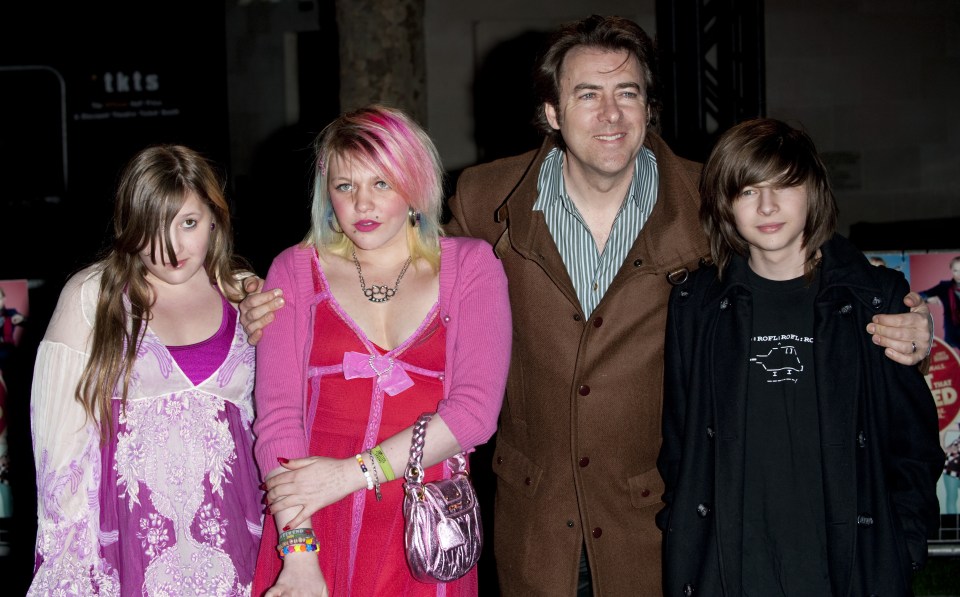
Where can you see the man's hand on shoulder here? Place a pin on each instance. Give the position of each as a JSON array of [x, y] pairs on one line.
[[907, 337]]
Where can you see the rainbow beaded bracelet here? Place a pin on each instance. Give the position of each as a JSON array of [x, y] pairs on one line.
[[307, 545]]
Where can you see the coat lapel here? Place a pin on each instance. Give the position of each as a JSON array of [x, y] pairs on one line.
[[527, 232], [733, 317]]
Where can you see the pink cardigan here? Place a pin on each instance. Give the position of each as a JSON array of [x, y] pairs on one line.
[[474, 306]]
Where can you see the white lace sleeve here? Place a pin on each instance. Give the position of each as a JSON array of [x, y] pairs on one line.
[[67, 453]]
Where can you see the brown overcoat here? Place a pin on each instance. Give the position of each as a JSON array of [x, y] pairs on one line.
[[579, 432]]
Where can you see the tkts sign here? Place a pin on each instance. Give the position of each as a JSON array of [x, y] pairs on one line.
[[944, 382]]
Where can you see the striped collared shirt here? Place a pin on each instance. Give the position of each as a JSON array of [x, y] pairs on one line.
[[590, 270]]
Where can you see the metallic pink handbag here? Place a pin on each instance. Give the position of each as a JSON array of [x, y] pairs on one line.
[[443, 534]]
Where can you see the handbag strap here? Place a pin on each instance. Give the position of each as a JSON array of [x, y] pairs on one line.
[[414, 472]]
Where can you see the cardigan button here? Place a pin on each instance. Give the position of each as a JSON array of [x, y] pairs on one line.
[[583, 390], [499, 459], [637, 262], [597, 532], [584, 461], [570, 524], [703, 510], [446, 319], [576, 317], [645, 493], [598, 322], [528, 481]]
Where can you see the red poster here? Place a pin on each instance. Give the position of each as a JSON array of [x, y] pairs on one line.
[[14, 309]]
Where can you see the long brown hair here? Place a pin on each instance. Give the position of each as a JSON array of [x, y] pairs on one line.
[[153, 188], [755, 151]]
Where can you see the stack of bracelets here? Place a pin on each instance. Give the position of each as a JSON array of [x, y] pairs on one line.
[[296, 540], [377, 457]]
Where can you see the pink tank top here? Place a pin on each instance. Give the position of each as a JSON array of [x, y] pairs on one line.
[[199, 361]]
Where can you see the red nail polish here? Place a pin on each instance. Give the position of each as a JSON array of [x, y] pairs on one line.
[[286, 528], [282, 460], [263, 487], [268, 513]]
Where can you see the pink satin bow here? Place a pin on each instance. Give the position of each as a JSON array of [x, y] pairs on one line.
[[390, 376]]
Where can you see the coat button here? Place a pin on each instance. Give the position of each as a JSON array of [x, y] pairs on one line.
[[584, 461], [865, 520], [703, 510], [679, 276], [597, 532], [687, 590], [576, 317], [499, 459], [861, 440], [583, 390], [598, 322], [570, 524], [711, 433]]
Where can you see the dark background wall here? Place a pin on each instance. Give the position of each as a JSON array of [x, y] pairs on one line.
[[83, 85]]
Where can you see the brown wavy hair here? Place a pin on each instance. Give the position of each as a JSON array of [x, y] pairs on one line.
[[612, 34]]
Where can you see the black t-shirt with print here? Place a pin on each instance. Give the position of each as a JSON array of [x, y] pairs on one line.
[[784, 546]]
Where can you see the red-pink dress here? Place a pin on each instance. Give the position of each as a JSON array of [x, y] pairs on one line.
[[361, 540]]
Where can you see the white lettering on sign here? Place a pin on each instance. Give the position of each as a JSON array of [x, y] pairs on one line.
[[121, 82]]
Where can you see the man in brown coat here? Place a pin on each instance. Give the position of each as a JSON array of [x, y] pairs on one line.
[[593, 230]]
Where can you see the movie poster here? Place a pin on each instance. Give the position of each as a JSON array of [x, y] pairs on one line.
[[14, 310], [936, 277]]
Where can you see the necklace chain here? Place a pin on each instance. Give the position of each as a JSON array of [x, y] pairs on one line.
[[379, 293]]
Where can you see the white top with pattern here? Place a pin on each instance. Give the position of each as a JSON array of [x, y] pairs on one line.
[[173, 436]]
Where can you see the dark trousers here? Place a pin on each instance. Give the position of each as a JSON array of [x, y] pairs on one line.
[[584, 584]]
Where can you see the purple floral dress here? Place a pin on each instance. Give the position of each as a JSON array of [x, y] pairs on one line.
[[170, 505]]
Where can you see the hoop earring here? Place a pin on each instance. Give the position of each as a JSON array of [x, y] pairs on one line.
[[332, 226], [413, 216]]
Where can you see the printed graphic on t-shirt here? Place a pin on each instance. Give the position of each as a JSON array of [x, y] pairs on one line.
[[780, 358]]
